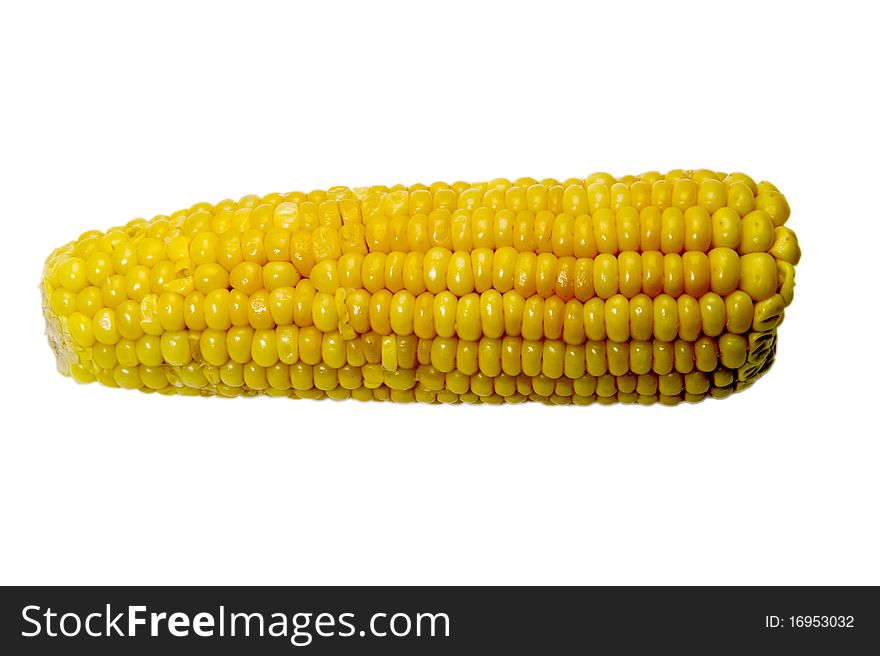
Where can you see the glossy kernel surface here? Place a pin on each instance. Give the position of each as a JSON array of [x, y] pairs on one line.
[[641, 289]]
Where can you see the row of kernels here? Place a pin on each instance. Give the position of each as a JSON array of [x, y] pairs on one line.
[[274, 199], [511, 355], [722, 270], [514, 355], [494, 315], [611, 397], [75, 274], [301, 247], [578, 195], [564, 234], [176, 348], [417, 393], [491, 356], [291, 344], [603, 385], [369, 383]]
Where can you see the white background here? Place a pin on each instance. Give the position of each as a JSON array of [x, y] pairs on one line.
[[116, 110]]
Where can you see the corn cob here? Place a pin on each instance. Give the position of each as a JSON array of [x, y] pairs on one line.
[[650, 288]]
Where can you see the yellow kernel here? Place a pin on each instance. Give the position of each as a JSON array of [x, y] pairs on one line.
[[758, 275], [605, 230], [584, 238], [713, 315], [435, 265], [380, 320], [492, 314], [170, 311], [212, 346], [652, 273], [617, 318], [724, 270], [757, 233], [684, 194], [666, 321], [712, 195], [738, 308], [774, 203], [598, 196], [247, 277], [574, 199], [533, 318], [259, 310], [629, 273], [72, 274], [689, 326], [89, 301], [695, 270], [99, 267], [697, 229], [202, 249], [127, 376], [554, 317], [672, 229], [740, 198], [210, 276], [733, 349], [673, 274], [255, 376], [641, 317], [769, 313], [326, 243], [460, 276], [148, 350], [228, 251], [413, 266], [104, 327], [253, 246], [287, 344], [150, 251], [63, 302], [333, 350], [324, 276], [785, 246], [402, 312], [175, 348], [264, 350], [605, 275], [279, 274], [393, 274], [81, 329], [239, 341], [467, 317], [594, 319], [232, 374]]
